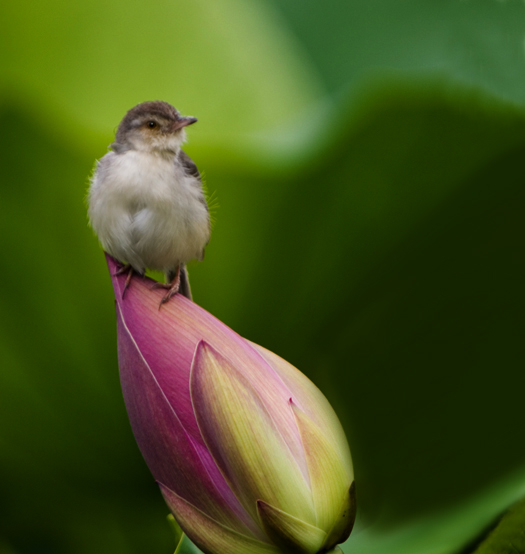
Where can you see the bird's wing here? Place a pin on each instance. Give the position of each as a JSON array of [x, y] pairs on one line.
[[190, 168], [189, 165]]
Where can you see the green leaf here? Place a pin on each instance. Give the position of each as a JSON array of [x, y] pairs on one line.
[[175, 527], [185, 546], [508, 537]]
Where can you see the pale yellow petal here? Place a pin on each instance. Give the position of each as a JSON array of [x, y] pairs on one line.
[[328, 476], [292, 535]]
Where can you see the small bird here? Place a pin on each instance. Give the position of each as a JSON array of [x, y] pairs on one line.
[[146, 200]]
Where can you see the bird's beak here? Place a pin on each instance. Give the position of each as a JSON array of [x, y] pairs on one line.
[[183, 122]]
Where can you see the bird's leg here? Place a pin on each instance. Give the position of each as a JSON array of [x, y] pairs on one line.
[[172, 287], [126, 268]]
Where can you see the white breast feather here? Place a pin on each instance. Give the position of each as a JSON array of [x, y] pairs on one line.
[[146, 211]]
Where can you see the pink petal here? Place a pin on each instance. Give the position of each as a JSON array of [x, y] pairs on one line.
[[171, 454]]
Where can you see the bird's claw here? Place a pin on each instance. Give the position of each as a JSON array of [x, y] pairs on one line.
[[172, 288], [168, 295], [126, 268]]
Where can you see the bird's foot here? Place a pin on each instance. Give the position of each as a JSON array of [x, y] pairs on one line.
[[172, 288], [126, 268]]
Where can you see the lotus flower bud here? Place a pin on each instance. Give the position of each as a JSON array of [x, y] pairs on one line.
[[248, 453]]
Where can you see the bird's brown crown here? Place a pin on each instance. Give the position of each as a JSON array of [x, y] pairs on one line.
[[143, 111]]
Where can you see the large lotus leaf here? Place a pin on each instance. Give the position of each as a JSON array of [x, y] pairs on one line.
[[229, 62], [478, 43]]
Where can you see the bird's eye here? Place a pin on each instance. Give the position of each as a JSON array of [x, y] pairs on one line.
[[152, 124]]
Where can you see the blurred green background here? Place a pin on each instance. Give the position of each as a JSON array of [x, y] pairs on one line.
[[368, 158]]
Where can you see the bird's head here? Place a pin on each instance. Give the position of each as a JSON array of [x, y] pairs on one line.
[[152, 127]]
